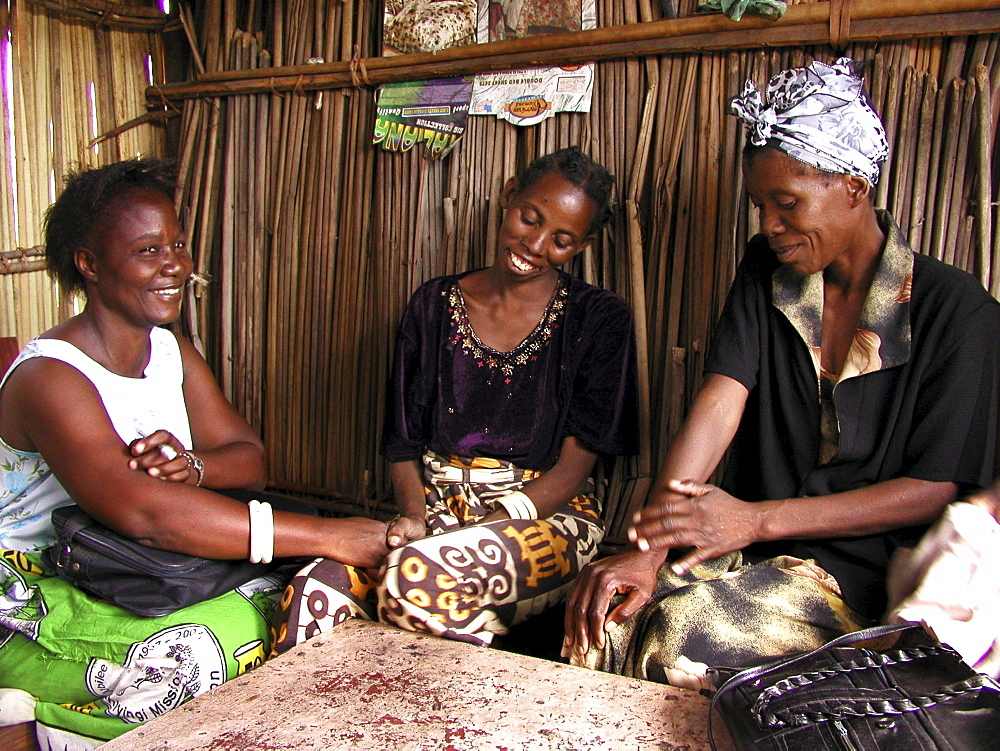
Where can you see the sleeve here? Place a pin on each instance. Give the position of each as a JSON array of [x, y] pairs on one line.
[[603, 409], [735, 350], [410, 393], [955, 415]]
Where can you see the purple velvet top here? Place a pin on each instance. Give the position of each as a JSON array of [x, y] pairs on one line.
[[574, 375]]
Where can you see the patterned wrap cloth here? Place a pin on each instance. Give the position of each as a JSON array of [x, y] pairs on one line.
[[465, 581], [725, 612], [819, 115]]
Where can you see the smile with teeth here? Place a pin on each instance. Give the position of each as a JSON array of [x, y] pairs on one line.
[[167, 294], [520, 264]]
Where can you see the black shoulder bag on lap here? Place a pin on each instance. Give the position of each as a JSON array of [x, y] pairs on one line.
[[143, 580], [917, 696]]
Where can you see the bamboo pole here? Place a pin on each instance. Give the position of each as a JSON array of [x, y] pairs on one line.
[[984, 226]]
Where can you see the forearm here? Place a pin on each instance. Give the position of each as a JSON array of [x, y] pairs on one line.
[[564, 481], [235, 465], [196, 521], [896, 503], [705, 435], [408, 488]]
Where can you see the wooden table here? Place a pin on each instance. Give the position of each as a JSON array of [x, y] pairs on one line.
[[368, 686]]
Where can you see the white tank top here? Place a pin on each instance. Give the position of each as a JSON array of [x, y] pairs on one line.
[[137, 407]]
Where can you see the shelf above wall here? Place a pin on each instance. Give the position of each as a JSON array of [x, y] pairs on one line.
[[836, 23]]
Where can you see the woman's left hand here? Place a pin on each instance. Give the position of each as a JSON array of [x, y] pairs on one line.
[[699, 516], [159, 456], [404, 530]]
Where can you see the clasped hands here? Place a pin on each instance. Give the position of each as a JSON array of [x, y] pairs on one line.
[[162, 456]]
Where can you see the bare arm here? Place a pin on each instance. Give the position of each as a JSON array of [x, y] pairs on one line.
[[684, 512], [408, 489], [713, 522], [564, 481], [66, 423], [557, 486]]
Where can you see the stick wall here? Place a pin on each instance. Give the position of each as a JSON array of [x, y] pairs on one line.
[[71, 78]]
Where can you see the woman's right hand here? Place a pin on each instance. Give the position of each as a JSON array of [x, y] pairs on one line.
[[404, 530], [159, 455], [632, 573], [358, 541]]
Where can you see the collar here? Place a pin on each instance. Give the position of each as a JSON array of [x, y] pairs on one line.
[[883, 336]]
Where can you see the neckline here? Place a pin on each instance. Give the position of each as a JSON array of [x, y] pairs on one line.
[[526, 349], [41, 344]]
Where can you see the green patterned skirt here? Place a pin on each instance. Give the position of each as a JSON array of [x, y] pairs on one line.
[[94, 671]]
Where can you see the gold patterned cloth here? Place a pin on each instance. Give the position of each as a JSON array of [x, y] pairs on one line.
[[725, 613], [466, 580]]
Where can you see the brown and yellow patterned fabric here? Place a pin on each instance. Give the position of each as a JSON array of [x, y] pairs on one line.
[[465, 581]]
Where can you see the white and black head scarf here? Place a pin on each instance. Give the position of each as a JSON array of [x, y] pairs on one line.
[[819, 115]]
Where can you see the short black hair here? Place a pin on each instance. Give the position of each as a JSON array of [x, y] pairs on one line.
[[85, 197], [578, 168]]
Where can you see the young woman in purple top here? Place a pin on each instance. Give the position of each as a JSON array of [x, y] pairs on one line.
[[508, 383]]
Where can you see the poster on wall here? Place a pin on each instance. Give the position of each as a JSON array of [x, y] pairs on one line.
[[433, 113], [528, 96], [428, 113]]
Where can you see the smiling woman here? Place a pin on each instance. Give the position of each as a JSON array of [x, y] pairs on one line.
[[111, 412], [508, 382]]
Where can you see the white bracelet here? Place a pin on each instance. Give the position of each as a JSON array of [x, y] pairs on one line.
[[518, 505], [261, 532]]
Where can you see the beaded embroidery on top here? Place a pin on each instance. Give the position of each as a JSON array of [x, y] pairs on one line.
[[523, 352]]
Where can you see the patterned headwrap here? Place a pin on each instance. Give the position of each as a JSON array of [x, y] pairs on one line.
[[819, 115]]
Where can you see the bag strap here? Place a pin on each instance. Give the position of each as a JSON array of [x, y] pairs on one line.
[[839, 708], [73, 522], [751, 674], [864, 662]]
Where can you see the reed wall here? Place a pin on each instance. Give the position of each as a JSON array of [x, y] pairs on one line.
[[69, 77]]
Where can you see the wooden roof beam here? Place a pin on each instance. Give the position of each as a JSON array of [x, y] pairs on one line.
[[805, 24]]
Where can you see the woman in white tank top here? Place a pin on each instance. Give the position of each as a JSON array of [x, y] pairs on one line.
[[111, 412]]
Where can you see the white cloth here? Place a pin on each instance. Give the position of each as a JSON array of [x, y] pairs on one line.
[[16, 706], [136, 406], [951, 583], [819, 115]]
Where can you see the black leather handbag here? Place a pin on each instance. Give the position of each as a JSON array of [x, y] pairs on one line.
[[143, 580], [916, 696]]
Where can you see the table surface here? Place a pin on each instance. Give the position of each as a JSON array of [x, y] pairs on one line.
[[368, 686]]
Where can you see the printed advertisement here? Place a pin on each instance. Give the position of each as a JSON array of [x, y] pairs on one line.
[[432, 113], [528, 96]]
